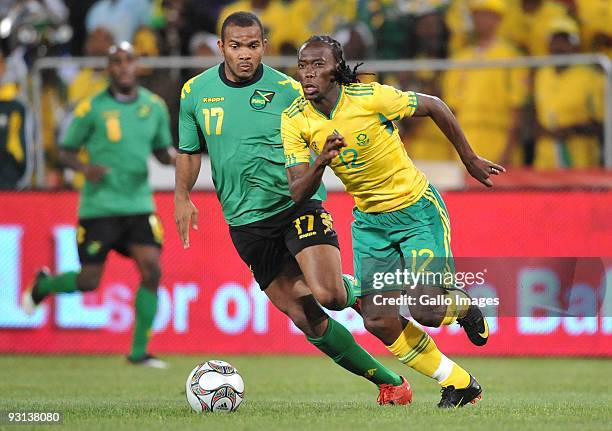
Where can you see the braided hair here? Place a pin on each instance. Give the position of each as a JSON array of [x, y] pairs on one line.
[[344, 74]]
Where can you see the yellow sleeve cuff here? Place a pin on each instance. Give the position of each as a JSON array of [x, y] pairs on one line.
[[294, 160]]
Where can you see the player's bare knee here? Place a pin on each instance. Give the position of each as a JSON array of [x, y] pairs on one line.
[[331, 302], [330, 298]]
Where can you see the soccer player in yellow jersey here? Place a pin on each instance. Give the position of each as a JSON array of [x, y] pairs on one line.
[[398, 213]]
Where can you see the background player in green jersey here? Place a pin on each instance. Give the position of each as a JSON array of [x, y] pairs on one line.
[[120, 128], [292, 250]]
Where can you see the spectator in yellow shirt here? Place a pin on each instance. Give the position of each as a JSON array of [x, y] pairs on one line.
[[488, 102], [569, 106], [602, 42], [595, 17], [527, 21]]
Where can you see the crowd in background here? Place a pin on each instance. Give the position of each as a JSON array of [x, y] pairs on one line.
[[549, 117]]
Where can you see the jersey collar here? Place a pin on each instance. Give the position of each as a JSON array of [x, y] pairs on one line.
[[256, 77], [122, 99], [334, 109]]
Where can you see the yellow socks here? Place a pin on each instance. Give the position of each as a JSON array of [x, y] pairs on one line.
[[415, 348]]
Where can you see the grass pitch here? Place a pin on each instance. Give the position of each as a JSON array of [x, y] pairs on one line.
[[298, 393]]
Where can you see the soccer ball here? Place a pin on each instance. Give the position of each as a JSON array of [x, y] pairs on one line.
[[214, 386]]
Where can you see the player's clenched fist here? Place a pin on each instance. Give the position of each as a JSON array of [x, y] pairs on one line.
[[185, 214], [333, 144]]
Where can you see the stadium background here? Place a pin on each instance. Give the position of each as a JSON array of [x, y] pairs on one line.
[[546, 206]]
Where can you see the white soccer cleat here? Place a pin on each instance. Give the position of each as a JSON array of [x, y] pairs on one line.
[[149, 361], [156, 363], [28, 302]]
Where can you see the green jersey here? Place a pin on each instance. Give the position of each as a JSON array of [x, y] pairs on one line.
[[121, 137], [240, 125]]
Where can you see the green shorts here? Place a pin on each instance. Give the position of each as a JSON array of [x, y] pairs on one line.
[[410, 240]]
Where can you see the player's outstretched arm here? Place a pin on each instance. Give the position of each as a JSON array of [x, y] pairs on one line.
[[440, 113], [185, 212], [304, 179]]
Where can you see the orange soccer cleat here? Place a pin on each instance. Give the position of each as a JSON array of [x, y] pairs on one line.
[[395, 395]]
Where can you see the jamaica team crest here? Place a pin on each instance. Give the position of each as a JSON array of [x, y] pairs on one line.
[[261, 98]]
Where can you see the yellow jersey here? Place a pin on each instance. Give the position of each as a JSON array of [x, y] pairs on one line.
[[529, 31], [571, 97], [374, 166], [485, 100], [469, 91], [87, 83], [595, 17]]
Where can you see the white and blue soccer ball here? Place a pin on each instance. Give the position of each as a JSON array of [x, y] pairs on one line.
[[214, 386]]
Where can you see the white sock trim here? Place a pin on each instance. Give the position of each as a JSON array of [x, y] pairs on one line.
[[444, 369]]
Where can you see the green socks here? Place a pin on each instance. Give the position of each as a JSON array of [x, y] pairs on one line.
[[338, 343], [350, 285], [61, 283], [146, 307]]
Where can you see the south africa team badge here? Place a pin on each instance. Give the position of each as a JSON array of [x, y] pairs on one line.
[[261, 98]]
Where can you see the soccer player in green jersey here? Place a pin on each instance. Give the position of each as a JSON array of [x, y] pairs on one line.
[[292, 250], [400, 219], [120, 128]]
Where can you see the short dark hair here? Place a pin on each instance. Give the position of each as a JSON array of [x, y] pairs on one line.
[[241, 19]]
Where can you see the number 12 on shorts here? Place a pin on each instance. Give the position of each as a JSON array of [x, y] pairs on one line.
[[417, 256]]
